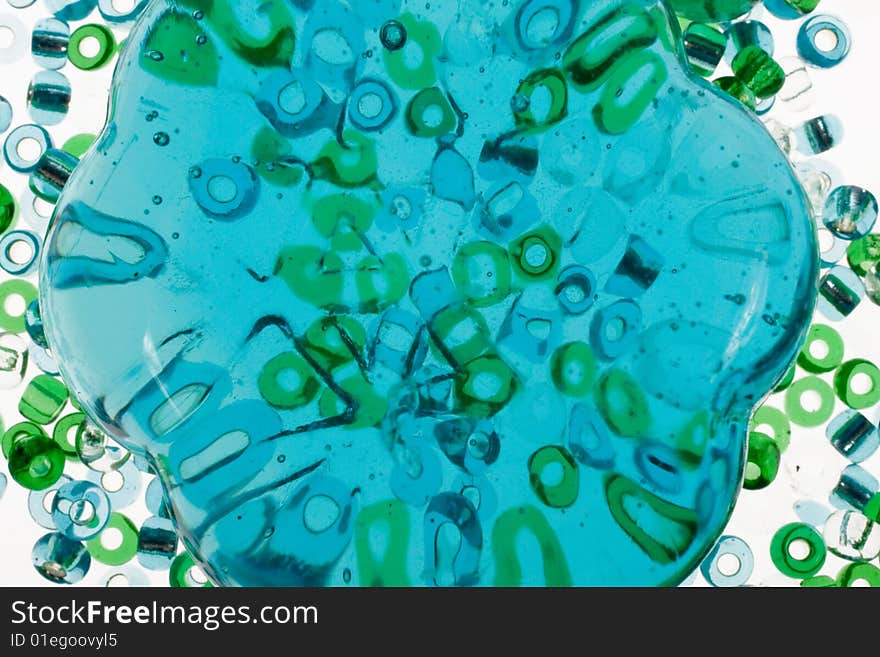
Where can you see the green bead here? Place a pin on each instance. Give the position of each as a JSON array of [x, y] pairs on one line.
[[312, 274], [798, 567], [535, 255], [622, 404], [786, 380], [126, 549], [12, 288], [180, 576], [859, 572], [762, 461], [343, 219], [35, 461], [591, 58], [426, 38], [485, 386], [16, 431], [65, 430], [844, 379], [562, 493], [872, 508], [172, 52], [271, 153], [863, 254], [352, 163], [288, 381], [712, 10], [380, 282], [550, 80], [78, 145], [507, 529], [369, 406], [692, 438], [776, 421], [481, 272], [274, 41], [7, 209], [334, 340], [43, 399], [272, 45], [106, 47], [758, 71], [661, 529], [633, 85], [429, 100], [736, 89], [388, 568], [819, 581], [802, 6], [572, 368], [461, 333], [794, 402], [822, 334]]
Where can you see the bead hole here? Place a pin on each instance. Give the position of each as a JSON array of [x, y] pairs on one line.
[[729, 564], [811, 401], [799, 549], [14, 305], [112, 481], [826, 40], [89, 47], [861, 384], [222, 189], [20, 252], [818, 349], [320, 513], [28, 149], [111, 538], [370, 105], [552, 474]]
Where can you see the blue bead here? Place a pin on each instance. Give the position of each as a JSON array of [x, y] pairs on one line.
[[810, 48]]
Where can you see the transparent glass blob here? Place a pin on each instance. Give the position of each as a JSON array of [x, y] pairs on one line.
[[489, 303]]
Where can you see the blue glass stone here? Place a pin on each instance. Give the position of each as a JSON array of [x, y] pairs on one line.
[[411, 261]]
